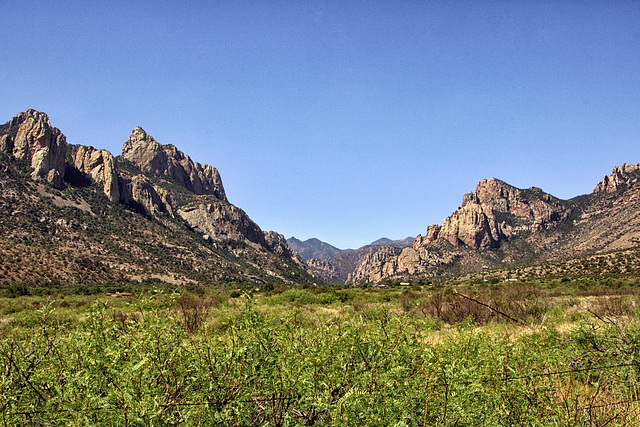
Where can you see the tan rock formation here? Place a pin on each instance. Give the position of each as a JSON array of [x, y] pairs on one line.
[[621, 175], [494, 213], [152, 157], [221, 221], [476, 223], [376, 265], [432, 233], [99, 165], [322, 269], [30, 137], [277, 243], [140, 194]]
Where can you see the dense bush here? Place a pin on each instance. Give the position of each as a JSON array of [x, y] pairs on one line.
[[202, 359]]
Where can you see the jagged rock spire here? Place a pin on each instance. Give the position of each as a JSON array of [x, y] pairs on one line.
[[144, 151]]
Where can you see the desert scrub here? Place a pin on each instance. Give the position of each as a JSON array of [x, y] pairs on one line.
[[256, 362]]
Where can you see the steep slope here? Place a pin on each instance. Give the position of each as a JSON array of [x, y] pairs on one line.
[[500, 225], [151, 213]]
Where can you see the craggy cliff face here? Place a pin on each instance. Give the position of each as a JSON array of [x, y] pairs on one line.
[[495, 212], [523, 224], [99, 165], [151, 157], [621, 176], [29, 137]]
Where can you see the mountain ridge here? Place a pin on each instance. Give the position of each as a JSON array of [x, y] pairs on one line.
[[152, 212], [314, 248], [384, 241], [501, 225], [152, 206]]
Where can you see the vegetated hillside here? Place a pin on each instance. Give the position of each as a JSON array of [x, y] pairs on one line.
[[500, 226], [151, 214]]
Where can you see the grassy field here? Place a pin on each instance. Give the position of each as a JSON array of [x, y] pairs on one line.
[[546, 353]]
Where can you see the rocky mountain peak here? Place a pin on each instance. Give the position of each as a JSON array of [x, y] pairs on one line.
[[523, 223], [145, 152], [29, 137], [31, 114], [481, 223], [624, 175], [178, 220]]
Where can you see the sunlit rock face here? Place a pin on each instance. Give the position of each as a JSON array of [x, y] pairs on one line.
[[29, 137], [624, 175], [152, 157], [495, 212], [99, 165]]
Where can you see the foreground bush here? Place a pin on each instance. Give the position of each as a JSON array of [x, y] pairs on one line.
[[287, 367]]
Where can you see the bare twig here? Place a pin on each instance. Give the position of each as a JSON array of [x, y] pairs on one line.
[[456, 293]]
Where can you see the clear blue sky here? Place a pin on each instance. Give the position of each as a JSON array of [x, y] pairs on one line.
[[347, 120]]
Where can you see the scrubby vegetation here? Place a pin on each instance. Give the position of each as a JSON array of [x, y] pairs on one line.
[[540, 353]]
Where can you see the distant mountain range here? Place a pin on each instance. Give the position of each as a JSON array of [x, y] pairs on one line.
[[407, 241], [74, 215], [314, 248], [333, 264]]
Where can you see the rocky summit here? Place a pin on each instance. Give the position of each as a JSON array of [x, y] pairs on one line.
[[499, 225], [150, 213], [151, 157], [29, 137]]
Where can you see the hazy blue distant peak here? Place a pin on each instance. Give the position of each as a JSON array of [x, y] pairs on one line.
[[407, 241]]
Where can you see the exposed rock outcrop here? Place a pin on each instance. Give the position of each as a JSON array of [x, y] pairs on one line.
[[141, 195], [277, 244], [221, 221], [526, 225], [99, 165], [152, 157], [175, 195], [218, 220], [373, 267], [624, 175], [323, 269], [29, 137], [495, 212]]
